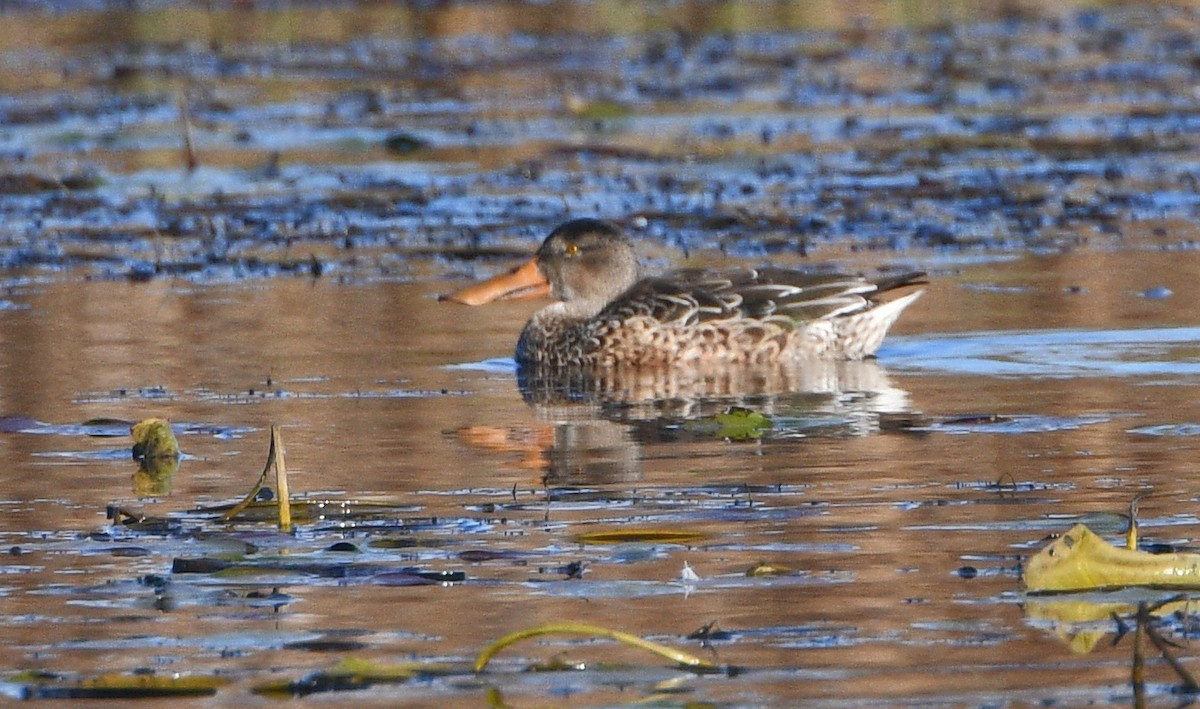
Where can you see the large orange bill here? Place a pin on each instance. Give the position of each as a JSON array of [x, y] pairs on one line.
[[525, 281]]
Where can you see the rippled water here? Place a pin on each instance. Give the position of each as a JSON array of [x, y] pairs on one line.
[[901, 505], [1038, 164]]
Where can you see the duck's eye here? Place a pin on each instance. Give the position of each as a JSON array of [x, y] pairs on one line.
[[572, 248]]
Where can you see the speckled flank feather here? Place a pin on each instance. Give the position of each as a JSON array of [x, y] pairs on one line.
[[646, 336]]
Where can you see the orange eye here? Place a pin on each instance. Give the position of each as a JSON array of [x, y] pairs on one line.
[[572, 248]]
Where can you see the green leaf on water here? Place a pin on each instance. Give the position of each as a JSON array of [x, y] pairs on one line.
[[354, 673], [736, 424], [131, 686], [1081, 560], [644, 536], [157, 453], [766, 568], [153, 438], [384, 672], [596, 110]]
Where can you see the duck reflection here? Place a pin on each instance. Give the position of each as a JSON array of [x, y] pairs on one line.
[[569, 444], [856, 389], [593, 426]]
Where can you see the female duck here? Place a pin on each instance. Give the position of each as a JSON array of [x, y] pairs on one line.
[[606, 316]]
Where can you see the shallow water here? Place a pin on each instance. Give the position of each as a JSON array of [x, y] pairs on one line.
[[903, 541], [1039, 164]]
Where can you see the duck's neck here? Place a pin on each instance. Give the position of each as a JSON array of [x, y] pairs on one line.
[[571, 311]]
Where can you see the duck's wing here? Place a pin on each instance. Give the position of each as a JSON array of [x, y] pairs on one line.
[[759, 294]]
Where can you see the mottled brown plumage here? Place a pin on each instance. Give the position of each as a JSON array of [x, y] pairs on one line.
[[606, 317]]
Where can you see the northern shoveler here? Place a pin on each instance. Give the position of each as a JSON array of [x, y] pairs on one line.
[[607, 316]]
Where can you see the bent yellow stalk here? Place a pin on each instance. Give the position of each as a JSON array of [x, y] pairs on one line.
[[570, 628], [274, 462]]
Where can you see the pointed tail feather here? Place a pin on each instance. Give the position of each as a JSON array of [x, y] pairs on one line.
[[863, 333]]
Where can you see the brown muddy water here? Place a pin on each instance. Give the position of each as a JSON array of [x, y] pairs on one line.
[[353, 163]]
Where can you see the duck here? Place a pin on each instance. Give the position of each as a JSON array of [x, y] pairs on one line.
[[607, 314]]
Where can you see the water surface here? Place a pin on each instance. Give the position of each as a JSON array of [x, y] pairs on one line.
[[351, 164], [903, 541]]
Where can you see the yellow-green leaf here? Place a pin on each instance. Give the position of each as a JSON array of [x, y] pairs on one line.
[[1081, 560], [136, 686], [766, 568], [353, 673], [736, 424], [597, 110], [153, 438], [645, 536], [383, 672]]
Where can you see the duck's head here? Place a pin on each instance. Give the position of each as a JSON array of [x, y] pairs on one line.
[[586, 263]]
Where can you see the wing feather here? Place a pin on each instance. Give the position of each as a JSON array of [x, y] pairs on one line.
[[780, 295]]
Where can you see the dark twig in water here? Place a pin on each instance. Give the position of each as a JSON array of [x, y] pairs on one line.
[[1138, 672], [189, 148], [1144, 628], [1145, 619], [1004, 479]]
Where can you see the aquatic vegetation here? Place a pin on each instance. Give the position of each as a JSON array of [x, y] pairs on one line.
[[1081, 560], [737, 424], [684, 659], [282, 494], [202, 219]]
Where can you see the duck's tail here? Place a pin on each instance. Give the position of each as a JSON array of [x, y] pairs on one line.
[[860, 335]]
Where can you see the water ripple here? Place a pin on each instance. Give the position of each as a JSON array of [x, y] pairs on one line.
[[1157, 352]]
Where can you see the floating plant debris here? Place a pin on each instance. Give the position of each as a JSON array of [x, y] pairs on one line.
[[572, 628], [1081, 560], [641, 536]]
